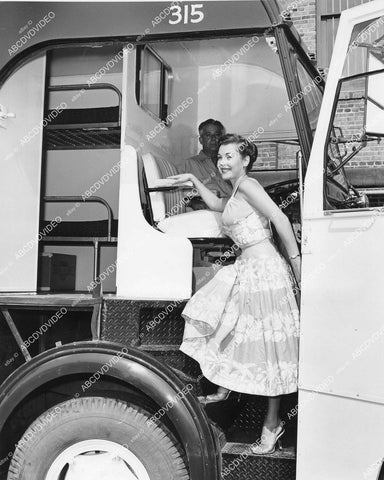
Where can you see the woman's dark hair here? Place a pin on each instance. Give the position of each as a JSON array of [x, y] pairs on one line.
[[244, 147]]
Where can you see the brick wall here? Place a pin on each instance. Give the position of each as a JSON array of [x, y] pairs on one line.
[[276, 156], [303, 15], [350, 118], [267, 156]]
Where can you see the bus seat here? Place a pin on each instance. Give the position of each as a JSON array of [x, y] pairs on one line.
[[169, 208], [152, 173], [195, 224], [174, 201]]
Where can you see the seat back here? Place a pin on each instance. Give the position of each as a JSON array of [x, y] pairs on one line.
[[152, 173], [168, 208], [164, 204], [174, 201]]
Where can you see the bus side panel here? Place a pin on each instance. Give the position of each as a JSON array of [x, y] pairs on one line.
[[341, 333], [333, 438], [20, 157]]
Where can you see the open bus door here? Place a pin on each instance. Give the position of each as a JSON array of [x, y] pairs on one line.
[[20, 156], [341, 398]]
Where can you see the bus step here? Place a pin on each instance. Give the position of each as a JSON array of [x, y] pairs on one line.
[[184, 376], [239, 463], [159, 348], [176, 359], [251, 411]]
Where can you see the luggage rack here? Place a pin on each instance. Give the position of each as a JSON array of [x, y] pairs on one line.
[[67, 233], [84, 128]]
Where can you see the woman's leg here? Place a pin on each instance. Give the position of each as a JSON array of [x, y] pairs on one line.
[[221, 395], [272, 419], [273, 429]]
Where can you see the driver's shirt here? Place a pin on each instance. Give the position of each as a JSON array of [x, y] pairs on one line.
[[206, 171]]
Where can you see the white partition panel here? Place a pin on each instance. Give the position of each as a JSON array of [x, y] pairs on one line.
[[20, 164], [150, 264]]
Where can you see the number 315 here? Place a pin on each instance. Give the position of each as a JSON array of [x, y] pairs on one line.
[[193, 16]]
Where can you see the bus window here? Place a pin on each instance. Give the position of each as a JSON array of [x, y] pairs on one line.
[[366, 38], [153, 84], [236, 80]]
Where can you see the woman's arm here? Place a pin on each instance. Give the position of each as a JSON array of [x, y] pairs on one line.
[[255, 194], [213, 202]]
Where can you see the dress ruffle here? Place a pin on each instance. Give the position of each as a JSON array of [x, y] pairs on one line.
[[243, 327]]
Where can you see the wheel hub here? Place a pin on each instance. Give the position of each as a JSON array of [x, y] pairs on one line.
[[97, 460]]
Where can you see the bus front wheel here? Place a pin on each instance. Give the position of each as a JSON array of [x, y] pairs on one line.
[[94, 436]]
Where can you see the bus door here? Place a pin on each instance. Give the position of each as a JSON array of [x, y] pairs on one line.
[[341, 398], [21, 118]]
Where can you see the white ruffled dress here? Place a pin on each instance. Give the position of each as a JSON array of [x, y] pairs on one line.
[[243, 326]]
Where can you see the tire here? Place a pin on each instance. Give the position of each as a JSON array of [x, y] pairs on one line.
[[97, 434]]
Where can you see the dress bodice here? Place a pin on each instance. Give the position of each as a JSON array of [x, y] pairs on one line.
[[244, 224]]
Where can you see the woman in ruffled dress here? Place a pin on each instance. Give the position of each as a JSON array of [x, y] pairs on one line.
[[243, 325]]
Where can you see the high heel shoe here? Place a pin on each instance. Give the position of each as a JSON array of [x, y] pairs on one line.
[[267, 444], [220, 396]]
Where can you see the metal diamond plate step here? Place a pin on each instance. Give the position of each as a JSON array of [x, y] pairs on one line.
[[239, 463]]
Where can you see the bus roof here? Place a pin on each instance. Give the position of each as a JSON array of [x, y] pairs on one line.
[[30, 26]]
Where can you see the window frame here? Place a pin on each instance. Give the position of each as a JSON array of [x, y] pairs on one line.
[[291, 51], [166, 79], [326, 13], [328, 211]]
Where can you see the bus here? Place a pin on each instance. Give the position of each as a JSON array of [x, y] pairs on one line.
[[100, 102]]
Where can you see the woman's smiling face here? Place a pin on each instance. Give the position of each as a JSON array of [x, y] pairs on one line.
[[231, 163]]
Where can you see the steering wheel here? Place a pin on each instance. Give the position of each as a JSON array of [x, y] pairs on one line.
[[282, 189]]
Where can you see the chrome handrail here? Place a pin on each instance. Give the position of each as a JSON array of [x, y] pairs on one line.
[[78, 198]]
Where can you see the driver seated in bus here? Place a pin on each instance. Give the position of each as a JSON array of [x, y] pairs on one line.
[[203, 165]]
